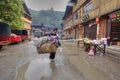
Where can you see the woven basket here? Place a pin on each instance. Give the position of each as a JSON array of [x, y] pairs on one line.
[[47, 48]]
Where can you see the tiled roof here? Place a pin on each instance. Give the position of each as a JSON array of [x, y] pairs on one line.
[[26, 9], [67, 11]]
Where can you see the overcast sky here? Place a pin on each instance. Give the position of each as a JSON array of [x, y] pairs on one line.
[[58, 5]]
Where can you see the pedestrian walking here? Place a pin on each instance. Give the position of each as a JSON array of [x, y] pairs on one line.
[[56, 41]]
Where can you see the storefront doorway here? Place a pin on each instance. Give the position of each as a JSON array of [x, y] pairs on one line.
[[115, 33], [90, 31]]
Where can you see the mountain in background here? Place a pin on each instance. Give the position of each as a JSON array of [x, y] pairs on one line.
[[48, 17]]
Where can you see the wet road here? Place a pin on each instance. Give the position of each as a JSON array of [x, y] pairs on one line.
[[14, 56], [44, 69], [21, 62]]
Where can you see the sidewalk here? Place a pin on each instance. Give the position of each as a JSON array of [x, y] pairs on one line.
[[113, 51], [91, 64]]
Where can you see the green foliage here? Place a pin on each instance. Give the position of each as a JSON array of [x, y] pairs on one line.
[[11, 12], [48, 17]]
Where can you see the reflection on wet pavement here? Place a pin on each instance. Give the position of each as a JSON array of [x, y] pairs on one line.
[[44, 69], [70, 64], [38, 69]]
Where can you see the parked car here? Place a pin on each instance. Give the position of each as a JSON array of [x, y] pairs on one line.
[[22, 33], [4, 34], [15, 38], [38, 33]]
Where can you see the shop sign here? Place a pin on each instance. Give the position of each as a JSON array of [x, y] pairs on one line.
[[115, 17], [85, 18]]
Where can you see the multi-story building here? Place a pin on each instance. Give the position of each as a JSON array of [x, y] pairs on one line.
[[68, 21], [27, 19], [77, 13], [97, 19]]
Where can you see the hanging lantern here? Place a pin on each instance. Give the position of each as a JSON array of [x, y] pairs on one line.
[[72, 27], [97, 19], [79, 26]]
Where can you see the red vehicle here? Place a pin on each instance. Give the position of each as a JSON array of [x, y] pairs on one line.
[[22, 33], [4, 34], [15, 38]]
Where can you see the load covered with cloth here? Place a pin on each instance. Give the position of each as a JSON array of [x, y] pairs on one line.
[[46, 44], [47, 48]]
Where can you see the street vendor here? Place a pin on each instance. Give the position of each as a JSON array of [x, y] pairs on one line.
[[53, 35]]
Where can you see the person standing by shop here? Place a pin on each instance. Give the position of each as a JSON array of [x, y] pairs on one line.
[[108, 40], [54, 33]]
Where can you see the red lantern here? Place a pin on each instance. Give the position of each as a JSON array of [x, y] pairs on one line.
[[71, 27], [97, 19], [79, 26]]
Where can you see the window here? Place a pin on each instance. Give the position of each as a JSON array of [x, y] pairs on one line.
[[76, 16], [76, 1], [87, 7]]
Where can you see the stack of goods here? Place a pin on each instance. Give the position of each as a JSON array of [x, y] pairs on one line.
[[47, 48], [45, 44], [95, 41], [86, 40]]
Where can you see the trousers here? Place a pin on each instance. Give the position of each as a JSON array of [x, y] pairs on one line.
[[52, 55]]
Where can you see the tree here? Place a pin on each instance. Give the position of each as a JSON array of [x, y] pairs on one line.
[[11, 12]]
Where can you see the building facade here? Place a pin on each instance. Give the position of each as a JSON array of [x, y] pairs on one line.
[[97, 19], [68, 22], [27, 19]]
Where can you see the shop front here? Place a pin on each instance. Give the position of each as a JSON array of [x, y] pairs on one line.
[[90, 27], [77, 31], [73, 32], [115, 28], [67, 31], [81, 31], [90, 30]]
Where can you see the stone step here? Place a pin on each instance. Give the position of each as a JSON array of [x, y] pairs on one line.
[[113, 54]]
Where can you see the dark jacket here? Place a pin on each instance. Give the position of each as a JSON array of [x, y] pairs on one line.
[[57, 38]]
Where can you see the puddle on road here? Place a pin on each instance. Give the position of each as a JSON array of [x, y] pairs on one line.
[[35, 70], [44, 69], [84, 65], [38, 69]]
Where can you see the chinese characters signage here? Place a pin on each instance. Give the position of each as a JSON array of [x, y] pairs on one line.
[[85, 18], [115, 17]]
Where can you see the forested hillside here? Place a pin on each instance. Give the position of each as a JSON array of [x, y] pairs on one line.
[[48, 17]]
